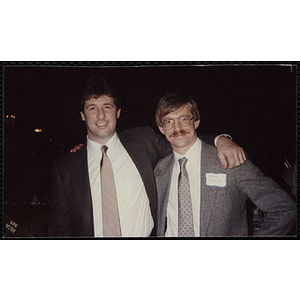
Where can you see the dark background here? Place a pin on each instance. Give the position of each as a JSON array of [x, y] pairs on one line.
[[256, 104]]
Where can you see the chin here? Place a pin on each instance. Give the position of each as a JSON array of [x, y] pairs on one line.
[[178, 146]]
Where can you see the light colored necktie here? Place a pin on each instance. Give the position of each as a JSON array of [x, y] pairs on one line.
[[110, 213], [185, 209]]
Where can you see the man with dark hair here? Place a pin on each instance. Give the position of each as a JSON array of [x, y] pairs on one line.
[[98, 86], [107, 188], [196, 196]]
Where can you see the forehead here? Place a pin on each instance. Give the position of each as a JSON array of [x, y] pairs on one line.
[[102, 100], [180, 112]]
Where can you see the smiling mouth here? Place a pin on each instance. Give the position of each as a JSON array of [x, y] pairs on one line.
[[101, 124]]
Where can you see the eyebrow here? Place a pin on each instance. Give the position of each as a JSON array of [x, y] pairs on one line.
[[180, 116], [94, 104], [89, 105]]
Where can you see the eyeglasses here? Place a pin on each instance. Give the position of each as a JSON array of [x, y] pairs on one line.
[[184, 121]]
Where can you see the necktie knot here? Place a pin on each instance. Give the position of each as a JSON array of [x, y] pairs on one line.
[[182, 162], [104, 149], [104, 155]]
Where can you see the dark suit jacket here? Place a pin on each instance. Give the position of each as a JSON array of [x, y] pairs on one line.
[[70, 208], [71, 211], [223, 209]]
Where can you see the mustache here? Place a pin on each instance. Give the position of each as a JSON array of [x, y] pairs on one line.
[[180, 132]]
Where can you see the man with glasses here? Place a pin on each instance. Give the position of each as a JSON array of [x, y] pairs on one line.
[[197, 197], [107, 188]]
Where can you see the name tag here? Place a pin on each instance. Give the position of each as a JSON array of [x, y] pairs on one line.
[[215, 179]]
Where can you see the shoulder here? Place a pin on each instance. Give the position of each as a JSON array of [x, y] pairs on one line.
[[208, 152], [246, 172], [69, 159], [209, 148], [137, 131], [145, 135]]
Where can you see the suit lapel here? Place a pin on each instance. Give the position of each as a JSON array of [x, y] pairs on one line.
[[163, 174], [208, 194], [82, 190]]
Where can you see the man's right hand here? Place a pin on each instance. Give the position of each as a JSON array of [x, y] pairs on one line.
[[77, 147], [230, 154]]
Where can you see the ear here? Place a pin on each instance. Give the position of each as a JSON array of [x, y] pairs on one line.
[[82, 116], [118, 113], [196, 124], [161, 129]]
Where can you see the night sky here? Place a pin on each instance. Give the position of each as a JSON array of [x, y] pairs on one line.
[[255, 104]]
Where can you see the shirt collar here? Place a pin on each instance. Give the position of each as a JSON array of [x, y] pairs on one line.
[[95, 148]]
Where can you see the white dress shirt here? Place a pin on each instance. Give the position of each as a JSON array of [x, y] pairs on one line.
[[193, 167], [133, 203]]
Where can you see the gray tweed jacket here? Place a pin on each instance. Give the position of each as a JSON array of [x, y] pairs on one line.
[[223, 209]]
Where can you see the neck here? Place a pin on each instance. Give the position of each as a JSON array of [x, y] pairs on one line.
[[101, 141]]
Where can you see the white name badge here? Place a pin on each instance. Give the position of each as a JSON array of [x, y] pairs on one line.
[[215, 179]]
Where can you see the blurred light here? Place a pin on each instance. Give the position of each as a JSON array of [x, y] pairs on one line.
[[38, 130], [13, 117], [7, 116]]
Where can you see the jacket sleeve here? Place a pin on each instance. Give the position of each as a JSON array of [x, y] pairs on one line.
[[208, 138], [59, 217], [278, 206]]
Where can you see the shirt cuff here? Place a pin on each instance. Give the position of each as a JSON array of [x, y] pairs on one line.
[[224, 134]]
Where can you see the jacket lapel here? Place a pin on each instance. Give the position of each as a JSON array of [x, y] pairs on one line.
[[163, 174], [208, 194], [82, 190]]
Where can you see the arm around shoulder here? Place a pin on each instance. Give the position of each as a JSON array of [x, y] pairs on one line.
[[230, 154]]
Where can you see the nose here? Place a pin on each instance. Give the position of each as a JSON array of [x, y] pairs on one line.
[[177, 125], [101, 113]]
